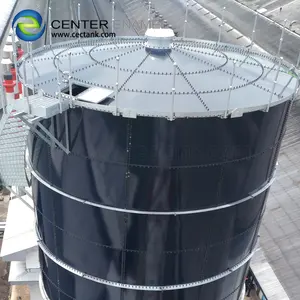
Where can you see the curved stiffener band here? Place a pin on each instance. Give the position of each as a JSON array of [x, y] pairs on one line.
[[163, 213], [62, 264]]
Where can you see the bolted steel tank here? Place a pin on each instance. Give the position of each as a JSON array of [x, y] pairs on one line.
[[154, 179]]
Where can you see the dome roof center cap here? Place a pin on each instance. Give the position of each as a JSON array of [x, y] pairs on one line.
[[159, 39]]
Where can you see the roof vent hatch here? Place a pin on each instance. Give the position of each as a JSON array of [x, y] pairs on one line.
[[159, 41]]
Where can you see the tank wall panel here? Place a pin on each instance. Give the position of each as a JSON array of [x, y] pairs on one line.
[[244, 161], [71, 286], [155, 245], [152, 165]]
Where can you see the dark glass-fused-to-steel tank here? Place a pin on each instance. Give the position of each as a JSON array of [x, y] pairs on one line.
[[158, 184]]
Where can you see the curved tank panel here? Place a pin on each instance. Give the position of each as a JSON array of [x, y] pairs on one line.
[[151, 203], [61, 284], [152, 247], [210, 161]]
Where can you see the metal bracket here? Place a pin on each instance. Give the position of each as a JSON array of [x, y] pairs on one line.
[[19, 197], [35, 120], [127, 113], [237, 113], [47, 132], [55, 140], [26, 192]]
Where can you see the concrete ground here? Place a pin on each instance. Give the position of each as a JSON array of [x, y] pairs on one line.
[[267, 34], [278, 10], [3, 207], [267, 4], [4, 267], [4, 286], [290, 12], [253, 296], [20, 293]]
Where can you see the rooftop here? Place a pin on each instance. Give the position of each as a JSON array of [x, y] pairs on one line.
[[194, 78]]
